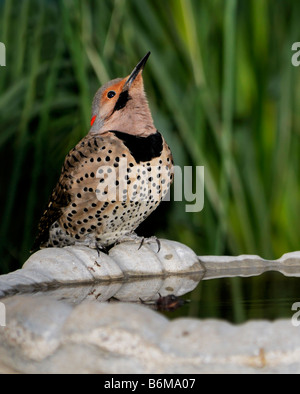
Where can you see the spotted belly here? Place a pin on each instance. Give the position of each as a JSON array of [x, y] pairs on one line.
[[120, 200]]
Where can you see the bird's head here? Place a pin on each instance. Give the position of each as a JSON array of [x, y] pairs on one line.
[[121, 105]]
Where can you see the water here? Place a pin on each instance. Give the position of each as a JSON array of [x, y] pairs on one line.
[[268, 296]]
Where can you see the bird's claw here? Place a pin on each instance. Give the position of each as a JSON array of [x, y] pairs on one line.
[[151, 239], [141, 240]]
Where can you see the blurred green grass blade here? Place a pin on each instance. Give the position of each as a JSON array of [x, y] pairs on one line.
[[230, 15], [21, 44], [260, 21], [22, 138], [72, 17], [11, 94], [96, 60], [193, 44], [244, 229], [5, 17], [97, 64], [193, 47], [114, 28], [40, 145]]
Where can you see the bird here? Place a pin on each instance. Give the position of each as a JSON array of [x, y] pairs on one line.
[[115, 177]]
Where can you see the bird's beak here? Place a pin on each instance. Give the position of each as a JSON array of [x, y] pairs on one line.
[[138, 68]]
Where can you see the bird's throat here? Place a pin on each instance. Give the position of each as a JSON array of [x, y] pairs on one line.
[[133, 119]]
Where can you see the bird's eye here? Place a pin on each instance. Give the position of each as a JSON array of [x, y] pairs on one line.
[[111, 94]]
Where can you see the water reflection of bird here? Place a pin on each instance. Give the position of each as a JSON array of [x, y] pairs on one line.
[[168, 303]]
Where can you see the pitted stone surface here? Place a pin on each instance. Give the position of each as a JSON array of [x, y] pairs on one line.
[[45, 335]]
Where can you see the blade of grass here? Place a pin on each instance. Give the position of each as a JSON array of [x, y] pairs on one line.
[[72, 34], [40, 144], [5, 25], [21, 145], [20, 44], [115, 24], [227, 112]]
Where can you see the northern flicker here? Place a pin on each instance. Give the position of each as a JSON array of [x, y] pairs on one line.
[[115, 176]]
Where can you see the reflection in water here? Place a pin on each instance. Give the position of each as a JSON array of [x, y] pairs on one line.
[[235, 291], [144, 290], [168, 303], [268, 296]]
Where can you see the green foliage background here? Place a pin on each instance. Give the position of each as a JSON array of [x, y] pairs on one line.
[[221, 88]]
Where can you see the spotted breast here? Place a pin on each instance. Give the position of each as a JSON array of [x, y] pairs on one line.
[[106, 189]]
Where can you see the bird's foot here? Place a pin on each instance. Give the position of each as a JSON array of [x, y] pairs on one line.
[[133, 237], [100, 248], [150, 240]]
